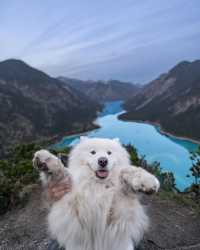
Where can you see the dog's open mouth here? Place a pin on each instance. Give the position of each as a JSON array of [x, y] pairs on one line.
[[102, 173]]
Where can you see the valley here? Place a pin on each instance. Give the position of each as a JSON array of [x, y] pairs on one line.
[[173, 154]]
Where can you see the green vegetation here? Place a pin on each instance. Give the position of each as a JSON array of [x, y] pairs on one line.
[[133, 154], [16, 176], [195, 172], [183, 199], [195, 169]]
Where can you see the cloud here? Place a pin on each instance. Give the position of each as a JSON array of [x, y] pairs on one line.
[[95, 37]]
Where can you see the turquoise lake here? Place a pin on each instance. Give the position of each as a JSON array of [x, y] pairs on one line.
[[172, 153]]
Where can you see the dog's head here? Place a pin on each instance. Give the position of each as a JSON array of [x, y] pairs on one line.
[[98, 156]]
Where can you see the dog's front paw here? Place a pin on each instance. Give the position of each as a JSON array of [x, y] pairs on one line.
[[44, 161], [139, 180], [149, 183]]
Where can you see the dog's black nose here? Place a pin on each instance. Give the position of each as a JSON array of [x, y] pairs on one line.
[[102, 161]]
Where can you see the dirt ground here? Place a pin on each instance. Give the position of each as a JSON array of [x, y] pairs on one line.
[[172, 226]]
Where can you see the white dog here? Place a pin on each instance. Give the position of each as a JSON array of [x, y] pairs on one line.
[[102, 212]]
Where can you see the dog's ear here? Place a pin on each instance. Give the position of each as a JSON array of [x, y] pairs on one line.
[[83, 138], [116, 140]]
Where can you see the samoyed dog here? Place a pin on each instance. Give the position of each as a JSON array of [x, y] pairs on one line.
[[102, 211]]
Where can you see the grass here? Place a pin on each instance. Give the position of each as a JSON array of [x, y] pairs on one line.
[[183, 199]]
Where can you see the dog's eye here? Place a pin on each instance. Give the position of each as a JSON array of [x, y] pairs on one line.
[[109, 152], [93, 152]]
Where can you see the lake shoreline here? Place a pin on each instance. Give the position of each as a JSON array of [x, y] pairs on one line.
[[55, 139], [95, 126], [161, 130], [173, 154]]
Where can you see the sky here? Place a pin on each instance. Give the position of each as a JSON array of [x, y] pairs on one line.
[[128, 40]]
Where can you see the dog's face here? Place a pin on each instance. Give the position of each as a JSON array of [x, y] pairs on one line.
[[99, 155]]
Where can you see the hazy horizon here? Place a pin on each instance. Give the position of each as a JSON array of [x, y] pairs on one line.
[[127, 40]]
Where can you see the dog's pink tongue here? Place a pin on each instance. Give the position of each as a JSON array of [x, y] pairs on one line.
[[102, 174]]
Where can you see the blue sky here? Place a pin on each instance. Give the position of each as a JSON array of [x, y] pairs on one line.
[[130, 40]]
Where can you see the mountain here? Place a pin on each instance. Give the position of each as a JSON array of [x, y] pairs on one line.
[[172, 100], [35, 106], [103, 91]]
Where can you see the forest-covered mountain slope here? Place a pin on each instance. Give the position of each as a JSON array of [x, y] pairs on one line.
[[172, 100], [34, 105]]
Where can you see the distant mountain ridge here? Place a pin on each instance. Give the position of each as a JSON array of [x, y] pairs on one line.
[[34, 105], [172, 100], [101, 91]]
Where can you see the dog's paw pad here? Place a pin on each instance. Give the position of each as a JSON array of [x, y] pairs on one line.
[[38, 164], [41, 159], [151, 186]]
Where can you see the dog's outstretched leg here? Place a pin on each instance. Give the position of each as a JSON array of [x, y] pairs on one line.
[[138, 180], [50, 167], [52, 171]]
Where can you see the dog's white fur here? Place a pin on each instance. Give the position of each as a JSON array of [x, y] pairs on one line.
[[99, 214]]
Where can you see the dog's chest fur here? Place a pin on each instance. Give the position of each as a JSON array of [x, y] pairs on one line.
[[94, 202], [87, 213]]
